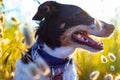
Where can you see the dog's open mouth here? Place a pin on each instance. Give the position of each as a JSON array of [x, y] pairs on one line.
[[82, 37]]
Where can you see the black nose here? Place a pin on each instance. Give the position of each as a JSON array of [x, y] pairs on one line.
[[109, 28]]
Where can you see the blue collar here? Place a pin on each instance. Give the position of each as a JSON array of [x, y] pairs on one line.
[[37, 51]]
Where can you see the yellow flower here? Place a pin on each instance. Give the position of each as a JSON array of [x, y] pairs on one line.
[[108, 77], [111, 57], [34, 70], [94, 75], [3, 12], [16, 33], [103, 59], [5, 41], [2, 19], [0, 51], [0, 3], [1, 31], [15, 21], [1, 67], [112, 68], [117, 78], [28, 37], [12, 74]]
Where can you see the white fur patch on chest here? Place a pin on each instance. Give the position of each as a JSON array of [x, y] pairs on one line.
[[60, 52]]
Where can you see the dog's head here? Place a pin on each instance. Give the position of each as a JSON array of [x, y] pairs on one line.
[[69, 25]]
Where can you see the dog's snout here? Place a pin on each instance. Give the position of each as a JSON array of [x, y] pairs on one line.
[[109, 28], [98, 24], [101, 29], [109, 25]]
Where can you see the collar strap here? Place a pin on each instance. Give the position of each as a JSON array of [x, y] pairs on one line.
[[38, 52]]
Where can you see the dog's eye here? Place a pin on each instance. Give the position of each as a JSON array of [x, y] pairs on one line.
[[46, 9]]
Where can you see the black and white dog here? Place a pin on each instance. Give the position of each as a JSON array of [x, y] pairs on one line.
[[62, 29]]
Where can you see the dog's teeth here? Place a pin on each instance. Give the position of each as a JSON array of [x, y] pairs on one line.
[[86, 41], [79, 36], [82, 38], [100, 44]]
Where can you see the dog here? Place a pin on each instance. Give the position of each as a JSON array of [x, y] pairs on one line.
[[62, 29]]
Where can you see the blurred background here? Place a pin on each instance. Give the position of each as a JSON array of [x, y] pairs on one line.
[[16, 14]]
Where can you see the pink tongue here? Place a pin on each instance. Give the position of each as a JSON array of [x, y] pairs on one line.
[[90, 41], [83, 39]]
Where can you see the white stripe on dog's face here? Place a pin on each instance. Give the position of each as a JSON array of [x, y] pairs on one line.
[[97, 25]]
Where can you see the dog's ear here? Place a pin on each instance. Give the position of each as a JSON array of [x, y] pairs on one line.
[[46, 10]]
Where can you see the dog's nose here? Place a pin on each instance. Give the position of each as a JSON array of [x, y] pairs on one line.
[[109, 28], [103, 29]]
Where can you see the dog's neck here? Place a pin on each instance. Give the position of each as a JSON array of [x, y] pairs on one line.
[[59, 52]]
